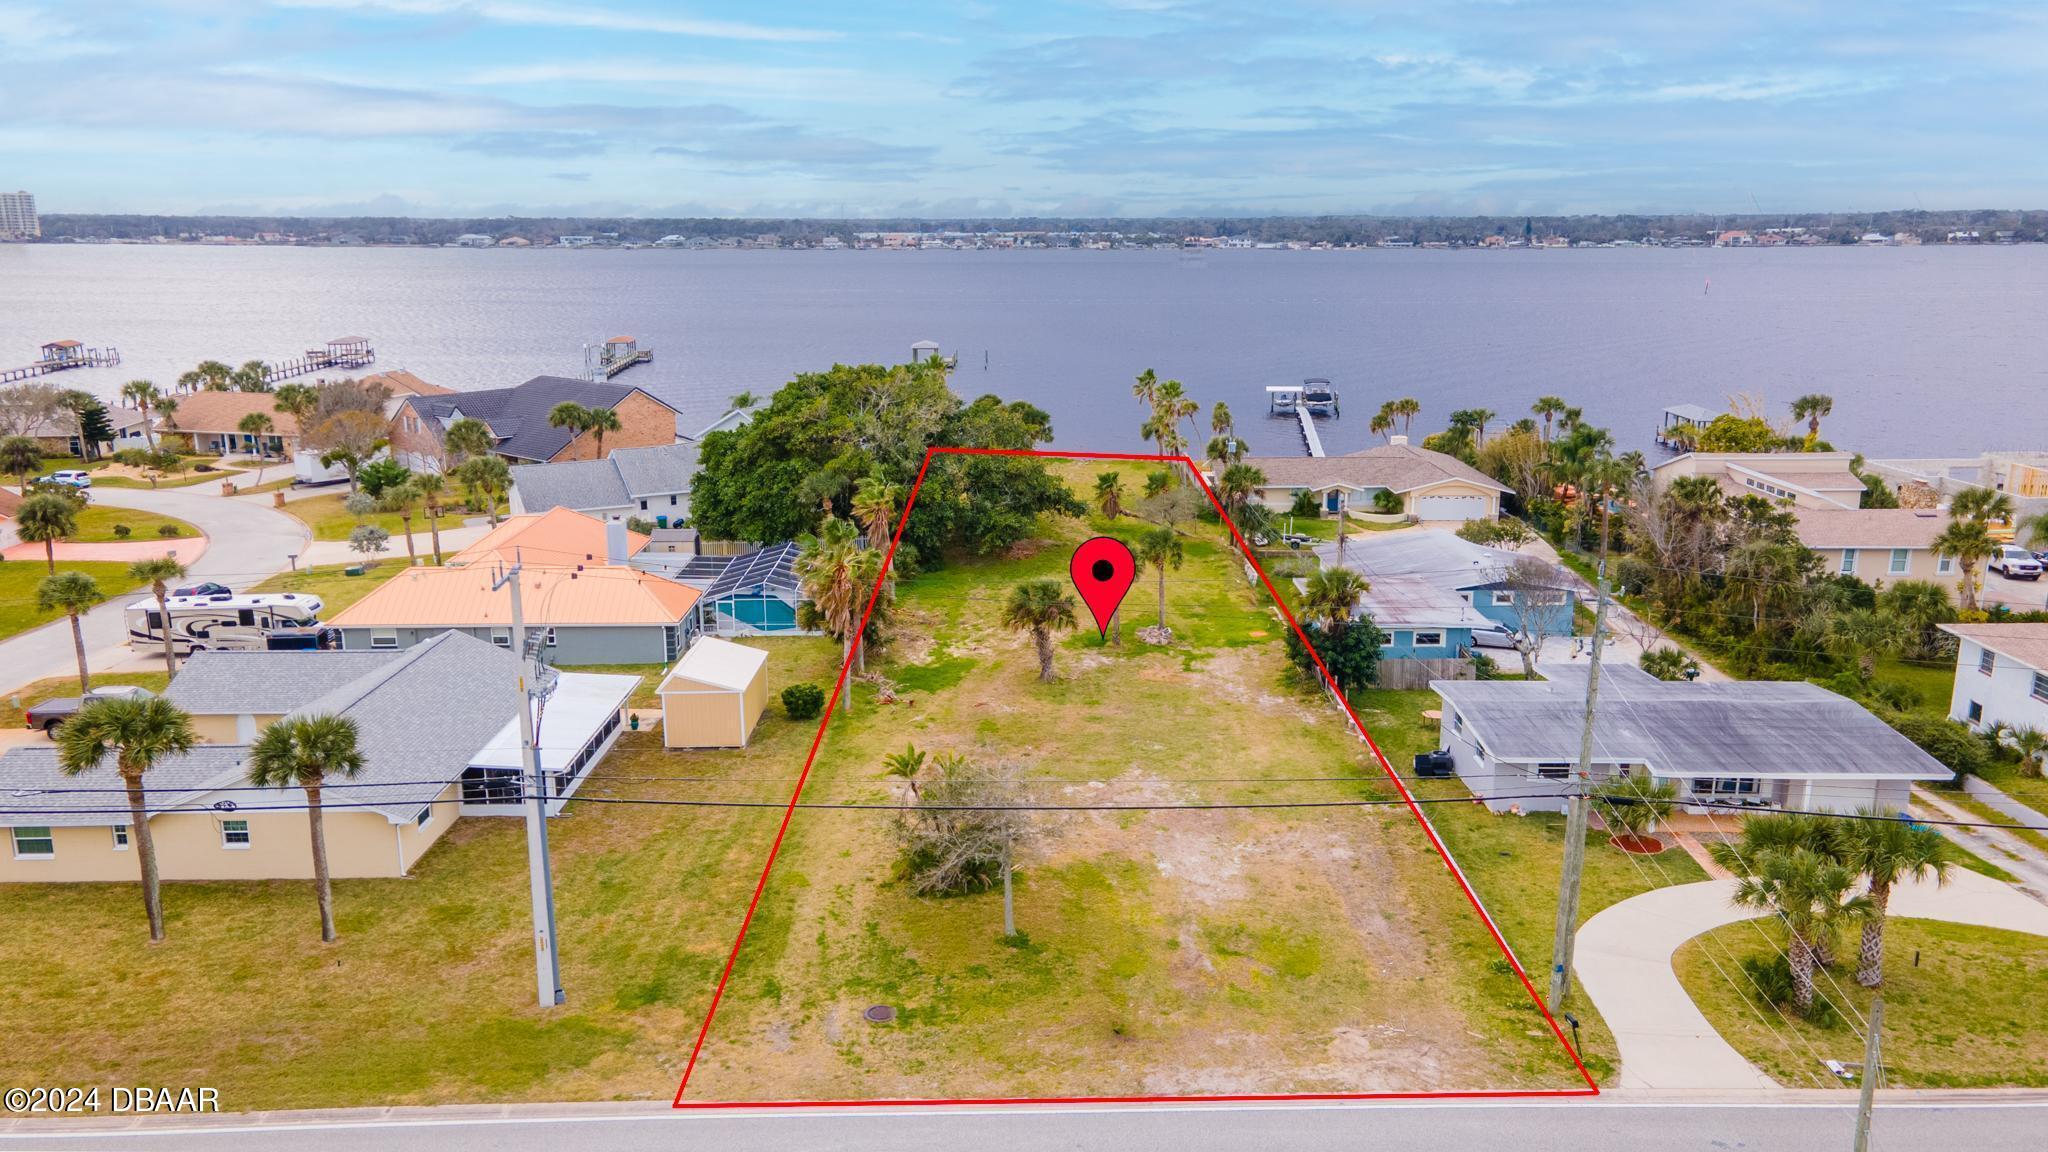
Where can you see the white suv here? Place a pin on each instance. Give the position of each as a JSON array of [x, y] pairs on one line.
[[2015, 563]]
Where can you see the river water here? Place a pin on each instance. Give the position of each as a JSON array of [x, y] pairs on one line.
[[1925, 350]]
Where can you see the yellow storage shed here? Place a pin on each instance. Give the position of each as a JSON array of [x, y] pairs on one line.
[[714, 695]]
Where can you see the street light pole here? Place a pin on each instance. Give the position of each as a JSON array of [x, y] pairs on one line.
[[547, 971]]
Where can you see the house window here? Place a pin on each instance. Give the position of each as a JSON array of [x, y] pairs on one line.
[[1429, 639], [1503, 599], [120, 837], [1943, 565], [1457, 722], [1553, 772], [501, 638], [234, 834], [425, 817], [1848, 561], [671, 501], [1975, 712], [2040, 686], [1900, 556], [1987, 660], [1390, 639], [384, 638], [1724, 786], [643, 505], [34, 844], [548, 638]]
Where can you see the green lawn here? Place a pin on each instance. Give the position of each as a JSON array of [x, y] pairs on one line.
[[11, 713], [1965, 1007], [330, 520], [96, 525], [336, 589], [18, 580]]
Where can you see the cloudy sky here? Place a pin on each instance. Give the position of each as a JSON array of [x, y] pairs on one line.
[[1053, 106]]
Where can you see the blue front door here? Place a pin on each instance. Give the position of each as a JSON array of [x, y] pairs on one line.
[[1332, 500]]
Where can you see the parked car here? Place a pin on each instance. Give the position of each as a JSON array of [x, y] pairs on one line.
[[2015, 563], [69, 477], [51, 714], [207, 589]]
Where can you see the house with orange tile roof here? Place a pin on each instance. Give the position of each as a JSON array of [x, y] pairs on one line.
[[595, 614], [212, 421], [559, 537]]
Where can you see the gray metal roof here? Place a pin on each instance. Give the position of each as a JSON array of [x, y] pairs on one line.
[[771, 568], [1419, 576], [213, 683], [581, 485], [1764, 728]]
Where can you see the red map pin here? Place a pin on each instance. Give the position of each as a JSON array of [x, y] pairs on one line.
[[1103, 569]]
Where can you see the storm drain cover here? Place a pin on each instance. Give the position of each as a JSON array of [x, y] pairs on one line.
[[880, 1014]]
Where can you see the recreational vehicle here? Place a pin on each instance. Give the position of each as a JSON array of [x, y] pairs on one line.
[[221, 622]]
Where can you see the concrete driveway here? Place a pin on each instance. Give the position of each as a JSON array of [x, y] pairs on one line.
[[246, 543], [1624, 963]]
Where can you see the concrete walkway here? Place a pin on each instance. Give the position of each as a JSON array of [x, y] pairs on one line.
[[244, 544], [1624, 965], [1997, 845], [187, 548]]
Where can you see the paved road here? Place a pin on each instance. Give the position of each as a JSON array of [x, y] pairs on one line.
[[246, 544], [1587, 1125], [1623, 961]]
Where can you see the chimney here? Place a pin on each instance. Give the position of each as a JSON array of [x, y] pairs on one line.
[[615, 541], [1397, 441]]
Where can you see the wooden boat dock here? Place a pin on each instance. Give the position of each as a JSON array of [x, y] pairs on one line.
[[606, 360], [342, 352], [58, 355]]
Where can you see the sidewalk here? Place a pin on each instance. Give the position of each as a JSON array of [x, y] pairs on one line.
[[188, 549], [1994, 844]]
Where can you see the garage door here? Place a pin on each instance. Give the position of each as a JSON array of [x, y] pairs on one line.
[[1452, 507]]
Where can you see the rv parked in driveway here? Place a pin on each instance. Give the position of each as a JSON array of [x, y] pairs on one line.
[[227, 622]]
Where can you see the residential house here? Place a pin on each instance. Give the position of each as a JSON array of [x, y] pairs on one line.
[[1879, 545], [1737, 745], [590, 615], [558, 538], [518, 420], [1438, 599], [649, 483], [2001, 676], [58, 435], [1806, 479], [212, 421], [432, 724], [1430, 485]]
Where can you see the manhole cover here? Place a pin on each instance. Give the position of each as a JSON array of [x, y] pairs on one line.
[[880, 1014]]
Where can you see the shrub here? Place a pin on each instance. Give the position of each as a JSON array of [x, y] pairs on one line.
[[121, 531], [359, 504], [169, 530], [1945, 740], [1665, 663], [133, 457], [803, 701], [1772, 978], [368, 539], [1509, 534], [1352, 655], [1386, 501], [1305, 506], [640, 524]]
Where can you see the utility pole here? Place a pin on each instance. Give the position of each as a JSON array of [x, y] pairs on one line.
[[547, 970], [1578, 807], [1871, 1046]]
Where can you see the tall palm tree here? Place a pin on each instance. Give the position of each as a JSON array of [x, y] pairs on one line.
[[431, 486], [1407, 408], [74, 594], [1983, 505], [1888, 849], [1965, 540], [1223, 428], [489, 476], [1809, 893], [1171, 406], [603, 420], [1146, 389], [252, 376], [1382, 423], [256, 425], [570, 416], [1549, 408], [160, 572], [1810, 408], [216, 374], [303, 751], [874, 505], [1332, 596], [1109, 494], [140, 732], [404, 499], [144, 396], [21, 457], [824, 569], [1479, 418], [46, 518], [190, 382], [1040, 607], [1160, 547], [1237, 484]]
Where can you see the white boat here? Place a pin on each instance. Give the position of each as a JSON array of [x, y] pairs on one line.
[[1318, 396]]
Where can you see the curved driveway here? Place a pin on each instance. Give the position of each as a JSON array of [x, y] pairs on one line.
[[246, 543], [1623, 961]]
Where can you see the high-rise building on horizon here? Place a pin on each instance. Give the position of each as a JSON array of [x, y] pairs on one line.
[[18, 219]]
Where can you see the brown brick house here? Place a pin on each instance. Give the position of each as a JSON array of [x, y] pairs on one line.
[[518, 420]]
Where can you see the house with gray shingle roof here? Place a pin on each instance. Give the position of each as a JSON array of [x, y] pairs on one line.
[[434, 723], [650, 483], [1429, 485], [518, 420]]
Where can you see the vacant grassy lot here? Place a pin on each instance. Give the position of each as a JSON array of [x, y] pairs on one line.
[[96, 525], [330, 582], [18, 580], [329, 520], [1965, 1007]]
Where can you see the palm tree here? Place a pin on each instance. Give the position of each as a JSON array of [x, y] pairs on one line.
[[874, 504], [1382, 423], [2031, 744], [1160, 547], [1407, 408], [1632, 807], [1040, 607], [72, 593], [489, 476], [468, 439], [1225, 430], [216, 375], [46, 518], [1332, 596], [571, 416], [1921, 605], [144, 396], [299, 401], [600, 421], [824, 569], [190, 382], [79, 403], [1983, 505], [1968, 542], [1237, 484], [1863, 634], [1109, 494], [1810, 408], [1479, 417], [160, 572], [1171, 406], [404, 499], [303, 751], [1147, 389], [905, 765], [21, 457], [140, 731], [1549, 408], [1809, 893], [250, 377], [256, 425], [1888, 849], [431, 486]]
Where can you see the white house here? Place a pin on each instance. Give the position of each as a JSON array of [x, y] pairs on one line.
[[2001, 675]]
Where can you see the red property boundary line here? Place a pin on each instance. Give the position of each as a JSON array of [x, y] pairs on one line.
[[817, 741]]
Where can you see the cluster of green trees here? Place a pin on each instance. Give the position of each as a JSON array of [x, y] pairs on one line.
[[217, 376]]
